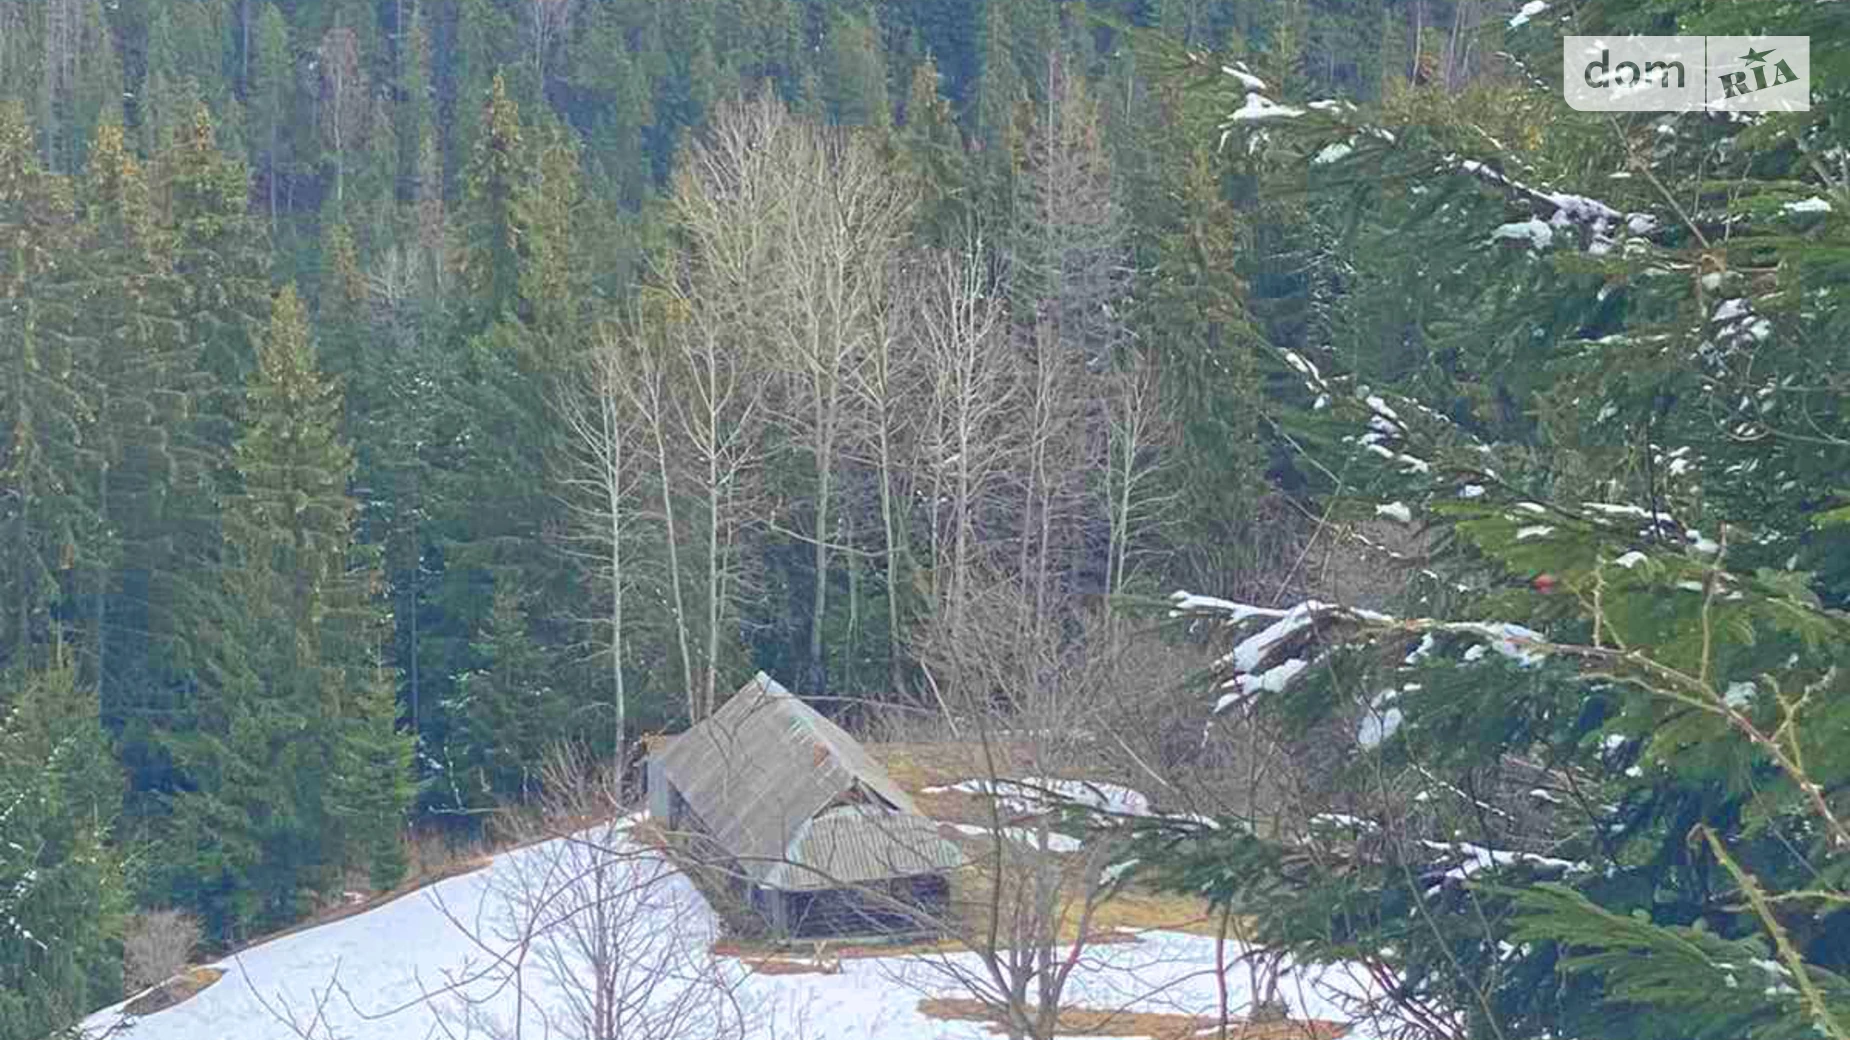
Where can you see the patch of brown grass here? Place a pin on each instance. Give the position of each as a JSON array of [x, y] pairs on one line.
[[1151, 1025], [916, 767], [177, 990], [1142, 910], [1130, 910], [780, 966], [751, 950]]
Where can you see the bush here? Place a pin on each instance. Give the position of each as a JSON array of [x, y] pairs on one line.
[[157, 946]]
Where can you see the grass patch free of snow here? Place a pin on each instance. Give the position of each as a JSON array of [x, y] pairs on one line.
[[1152, 1024], [177, 990]]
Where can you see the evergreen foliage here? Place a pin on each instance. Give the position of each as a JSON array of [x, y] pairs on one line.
[[1595, 789], [62, 890], [297, 567]]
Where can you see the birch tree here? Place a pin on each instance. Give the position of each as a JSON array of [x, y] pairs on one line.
[[1137, 437], [605, 476], [844, 214], [963, 451], [709, 418], [342, 103], [886, 388]]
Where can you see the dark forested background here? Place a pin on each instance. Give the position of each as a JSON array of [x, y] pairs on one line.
[[394, 388]]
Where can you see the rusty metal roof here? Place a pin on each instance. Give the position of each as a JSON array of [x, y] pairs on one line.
[[761, 769]]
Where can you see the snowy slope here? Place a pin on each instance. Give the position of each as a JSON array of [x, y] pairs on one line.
[[385, 958]]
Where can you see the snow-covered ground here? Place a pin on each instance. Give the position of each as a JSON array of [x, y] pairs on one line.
[[383, 960]]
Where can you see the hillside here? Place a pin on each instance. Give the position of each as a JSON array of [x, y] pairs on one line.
[[385, 958]]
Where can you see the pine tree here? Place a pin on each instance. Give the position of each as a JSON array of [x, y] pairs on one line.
[[221, 261], [82, 80], [270, 100], [372, 788], [417, 94], [605, 66], [1192, 319], [220, 293], [480, 35], [143, 380]]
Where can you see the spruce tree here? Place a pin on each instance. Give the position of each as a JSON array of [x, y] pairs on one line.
[[221, 261], [220, 293], [497, 171], [853, 73], [372, 785], [1590, 771], [144, 382], [510, 711], [931, 151], [62, 890], [289, 754], [270, 102], [48, 523]]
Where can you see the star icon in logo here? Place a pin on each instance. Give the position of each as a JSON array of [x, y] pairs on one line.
[[1753, 57]]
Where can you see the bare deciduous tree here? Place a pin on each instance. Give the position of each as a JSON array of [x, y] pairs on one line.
[[342, 100], [1137, 434], [547, 22], [1052, 428], [604, 475], [706, 388], [583, 934], [842, 216], [887, 387], [964, 451]]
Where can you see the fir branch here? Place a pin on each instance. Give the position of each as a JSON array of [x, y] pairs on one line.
[[1782, 940]]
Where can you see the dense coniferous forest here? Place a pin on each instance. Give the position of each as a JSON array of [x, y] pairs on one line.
[[394, 389]]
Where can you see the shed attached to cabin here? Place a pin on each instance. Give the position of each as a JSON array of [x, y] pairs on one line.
[[820, 839]]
